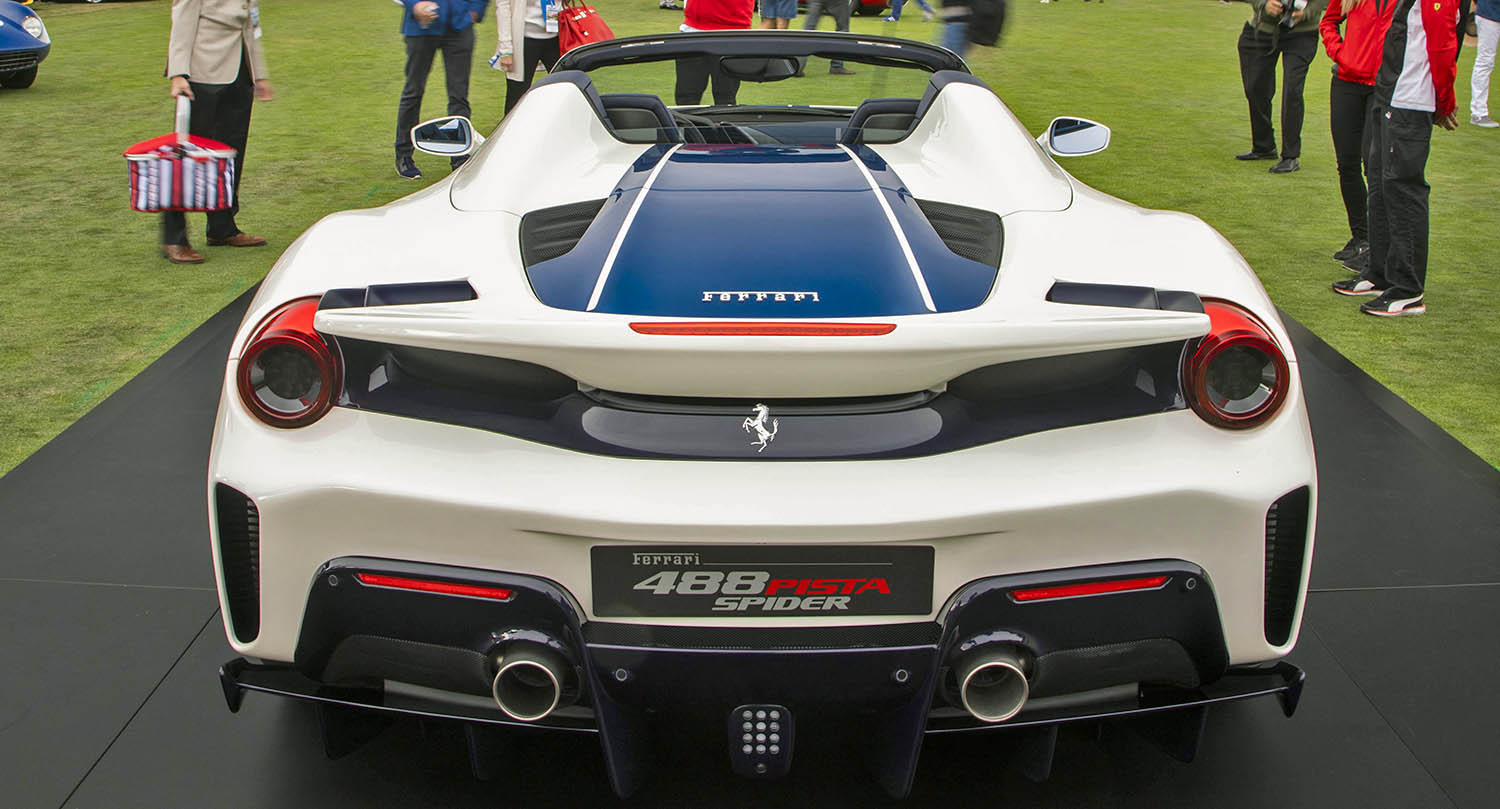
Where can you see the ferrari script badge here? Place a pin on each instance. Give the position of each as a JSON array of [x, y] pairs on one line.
[[757, 424], [742, 295]]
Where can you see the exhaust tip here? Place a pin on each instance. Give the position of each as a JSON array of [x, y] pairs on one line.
[[992, 686], [529, 683]]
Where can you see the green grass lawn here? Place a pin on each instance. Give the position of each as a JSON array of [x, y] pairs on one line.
[[86, 302]]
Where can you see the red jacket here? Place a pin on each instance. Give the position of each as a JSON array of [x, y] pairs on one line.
[[1356, 52], [717, 15], [1403, 76]]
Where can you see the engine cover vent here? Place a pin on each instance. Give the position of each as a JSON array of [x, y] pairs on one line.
[[970, 232], [551, 232]]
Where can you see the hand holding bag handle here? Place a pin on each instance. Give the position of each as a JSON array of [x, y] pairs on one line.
[[184, 119]]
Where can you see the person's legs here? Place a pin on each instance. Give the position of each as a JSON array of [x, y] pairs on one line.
[[1297, 52], [692, 80], [419, 52], [533, 52], [1347, 102], [896, 9], [458, 59], [1258, 76], [1376, 133], [840, 11], [1406, 195], [726, 87], [230, 125], [956, 36], [1484, 64], [205, 108]]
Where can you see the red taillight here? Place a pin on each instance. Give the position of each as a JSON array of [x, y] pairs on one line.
[[1091, 588], [287, 376], [723, 328], [430, 586], [1237, 377]]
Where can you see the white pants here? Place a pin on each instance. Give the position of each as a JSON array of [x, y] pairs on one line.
[[1484, 62]]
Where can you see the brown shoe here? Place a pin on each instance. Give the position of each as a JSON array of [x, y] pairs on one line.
[[239, 240], [181, 254]]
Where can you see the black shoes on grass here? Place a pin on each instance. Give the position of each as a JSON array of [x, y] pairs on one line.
[[1389, 305], [406, 167]]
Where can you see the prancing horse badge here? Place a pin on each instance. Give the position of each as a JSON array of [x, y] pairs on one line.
[[757, 424]]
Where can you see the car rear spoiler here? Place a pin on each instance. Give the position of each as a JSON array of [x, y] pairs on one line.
[[761, 358]]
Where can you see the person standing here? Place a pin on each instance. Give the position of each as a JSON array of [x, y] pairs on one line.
[[1487, 26], [1285, 31], [429, 26], [1355, 52], [214, 59], [536, 21], [840, 10], [778, 13], [896, 5], [1413, 92], [694, 72]]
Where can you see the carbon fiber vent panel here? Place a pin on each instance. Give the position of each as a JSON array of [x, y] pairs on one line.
[[239, 557], [1286, 543], [758, 638], [552, 232], [970, 232]]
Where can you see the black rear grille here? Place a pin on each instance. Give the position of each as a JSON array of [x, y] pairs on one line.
[[552, 232], [17, 60], [239, 558], [1286, 542], [969, 232]]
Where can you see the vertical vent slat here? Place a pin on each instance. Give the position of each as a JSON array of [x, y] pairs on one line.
[[239, 558], [1286, 544]]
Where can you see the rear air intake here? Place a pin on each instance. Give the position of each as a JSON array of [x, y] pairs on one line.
[[1286, 541], [239, 557], [969, 232], [551, 232]]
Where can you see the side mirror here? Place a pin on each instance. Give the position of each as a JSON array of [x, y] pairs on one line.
[[451, 136], [1074, 137]]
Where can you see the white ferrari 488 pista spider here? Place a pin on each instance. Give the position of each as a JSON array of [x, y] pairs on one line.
[[854, 412]]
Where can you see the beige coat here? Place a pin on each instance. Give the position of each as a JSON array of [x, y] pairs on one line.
[[510, 19], [208, 37]]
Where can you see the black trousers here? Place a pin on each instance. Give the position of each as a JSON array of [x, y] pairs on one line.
[[1259, 53], [458, 57], [1348, 107], [1399, 141], [693, 74], [533, 51], [221, 112]]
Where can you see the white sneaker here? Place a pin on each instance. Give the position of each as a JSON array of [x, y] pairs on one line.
[[1484, 121]]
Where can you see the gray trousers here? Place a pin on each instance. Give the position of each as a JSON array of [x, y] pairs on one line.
[[838, 8]]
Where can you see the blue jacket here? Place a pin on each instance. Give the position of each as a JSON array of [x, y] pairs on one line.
[[453, 15], [1490, 9]]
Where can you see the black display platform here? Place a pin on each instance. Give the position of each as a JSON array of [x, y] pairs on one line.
[[109, 695]]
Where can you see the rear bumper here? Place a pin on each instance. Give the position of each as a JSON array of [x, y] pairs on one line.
[[1117, 655]]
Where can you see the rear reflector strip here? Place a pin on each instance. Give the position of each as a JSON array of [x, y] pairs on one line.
[[1092, 588], [443, 587], [761, 329]]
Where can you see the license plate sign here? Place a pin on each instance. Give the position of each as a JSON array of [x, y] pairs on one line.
[[676, 581]]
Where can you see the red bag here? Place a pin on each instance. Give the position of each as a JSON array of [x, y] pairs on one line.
[[578, 24], [181, 172]]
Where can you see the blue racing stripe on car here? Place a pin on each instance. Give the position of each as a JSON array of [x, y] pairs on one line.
[[760, 232]]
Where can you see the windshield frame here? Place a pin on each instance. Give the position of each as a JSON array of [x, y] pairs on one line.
[[829, 45]]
